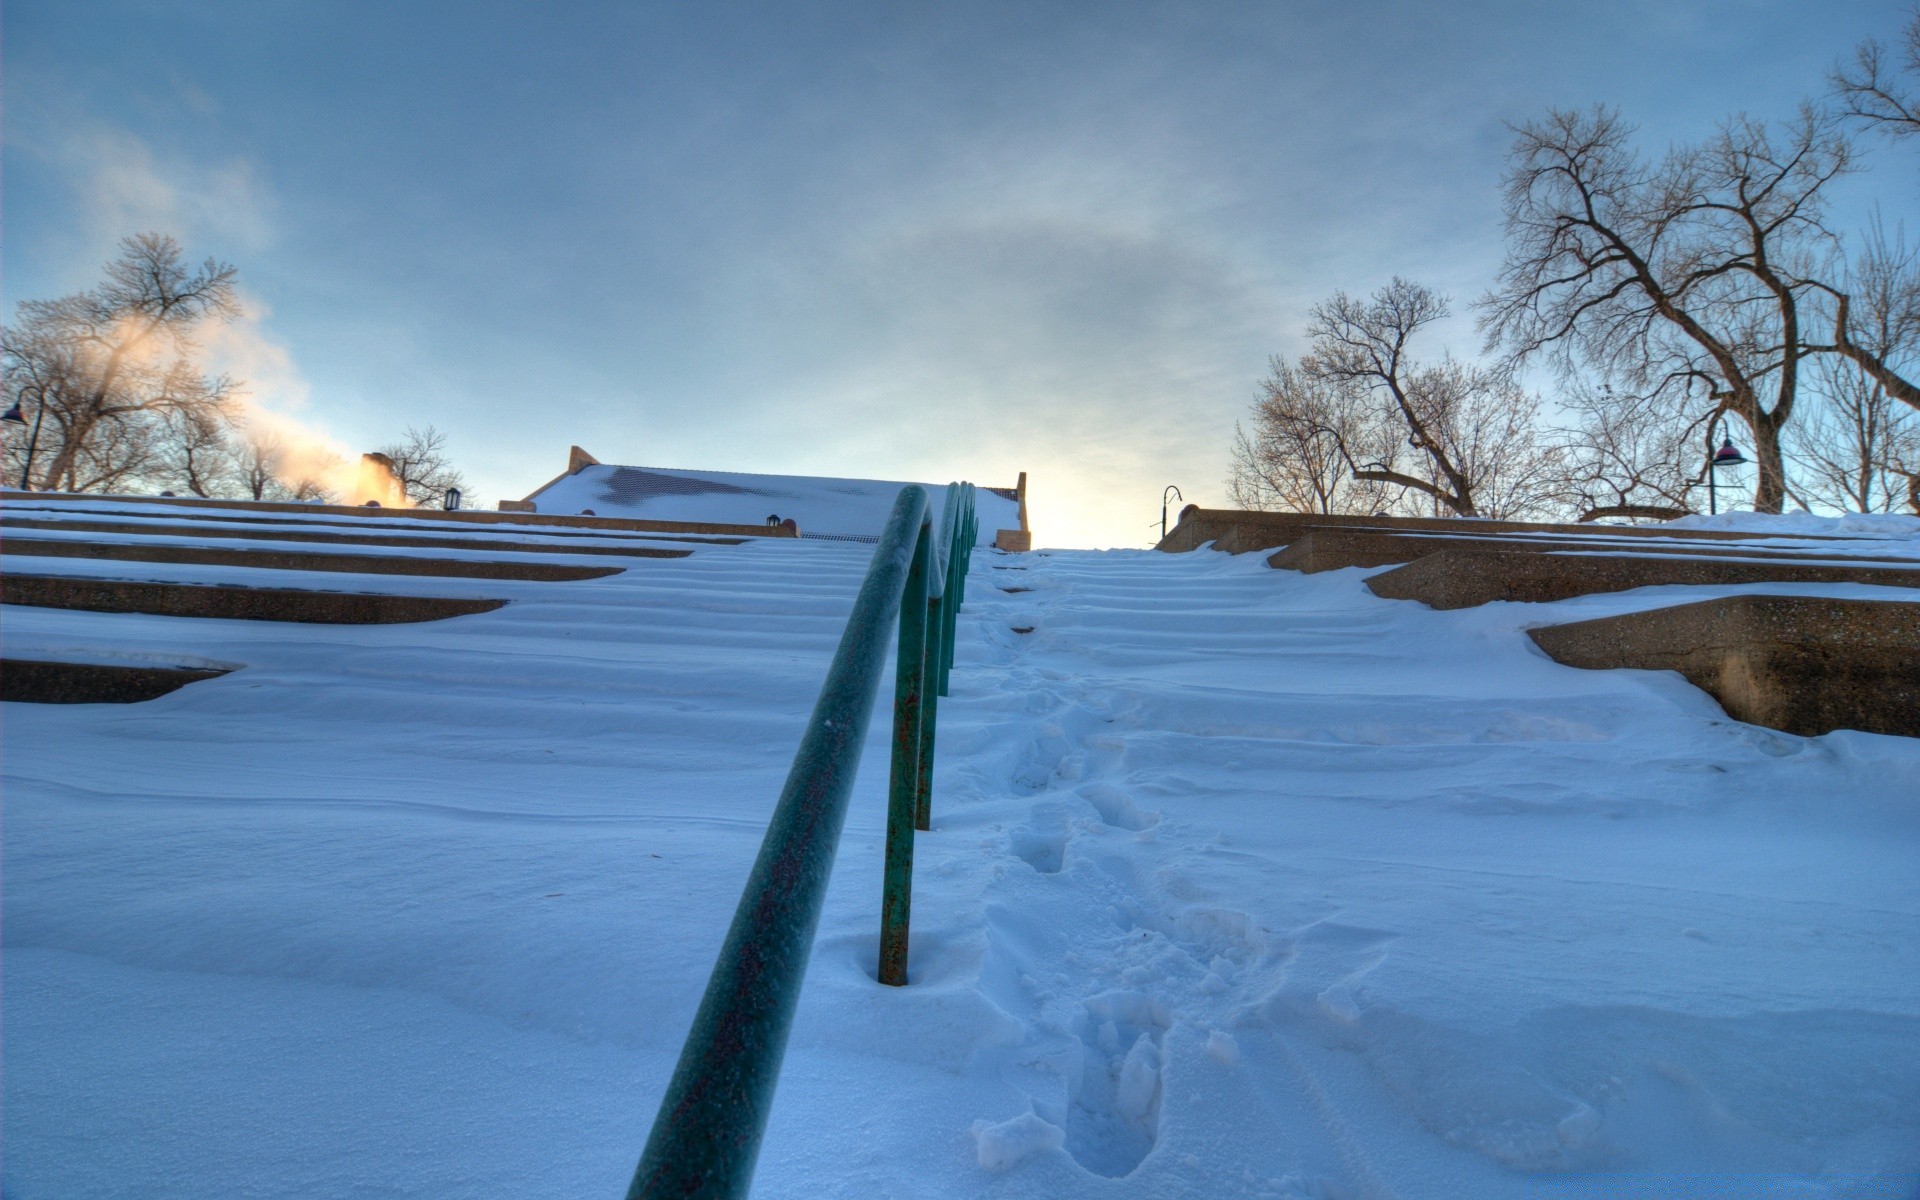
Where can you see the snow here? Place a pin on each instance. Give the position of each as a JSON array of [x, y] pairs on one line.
[[1869, 525], [820, 506], [1005, 1144], [1242, 883]]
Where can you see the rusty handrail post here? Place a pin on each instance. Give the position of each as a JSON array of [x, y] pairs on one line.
[[903, 791], [941, 598]]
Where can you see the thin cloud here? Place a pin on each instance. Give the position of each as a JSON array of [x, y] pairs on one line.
[[124, 186]]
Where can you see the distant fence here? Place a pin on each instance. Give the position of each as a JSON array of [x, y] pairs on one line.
[[706, 1137]]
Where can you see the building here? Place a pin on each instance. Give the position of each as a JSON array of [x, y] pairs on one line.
[[844, 509]]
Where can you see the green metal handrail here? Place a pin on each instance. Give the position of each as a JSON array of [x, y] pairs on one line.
[[706, 1137]]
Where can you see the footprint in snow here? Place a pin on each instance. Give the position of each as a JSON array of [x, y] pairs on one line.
[[1117, 809], [1113, 1109]]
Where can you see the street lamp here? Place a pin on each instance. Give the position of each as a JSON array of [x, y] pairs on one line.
[[452, 501], [1727, 455], [1164, 493], [13, 416]]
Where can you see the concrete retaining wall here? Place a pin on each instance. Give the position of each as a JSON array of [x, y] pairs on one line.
[[462, 517], [235, 603], [1464, 578], [1332, 549], [36, 682], [1239, 532], [1801, 664], [294, 560], [368, 534]]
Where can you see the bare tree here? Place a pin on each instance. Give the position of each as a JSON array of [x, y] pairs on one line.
[[1484, 429], [265, 469], [114, 365], [121, 456], [1462, 436], [196, 450], [1858, 447], [1875, 311], [1690, 280], [1871, 89], [1629, 456], [1294, 459], [421, 465], [1910, 472]]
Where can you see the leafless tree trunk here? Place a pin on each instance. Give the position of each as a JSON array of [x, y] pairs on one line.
[[266, 469], [1876, 314], [422, 466], [198, 451], [1475, 449], [1688, 279], [1855, 446], [1294, 462], [114, 364]]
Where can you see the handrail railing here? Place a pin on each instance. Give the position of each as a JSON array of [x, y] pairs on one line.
[[706, 1137]]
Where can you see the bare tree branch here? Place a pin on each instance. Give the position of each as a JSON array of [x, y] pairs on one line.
[[1691, 278]]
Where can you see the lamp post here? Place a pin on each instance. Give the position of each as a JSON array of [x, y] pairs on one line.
[[1175, 492], [13, 416], [1726, 456]]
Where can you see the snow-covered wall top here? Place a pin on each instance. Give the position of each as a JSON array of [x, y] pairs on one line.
[[833, 507]]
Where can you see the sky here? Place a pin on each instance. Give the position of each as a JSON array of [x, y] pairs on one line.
[[883, 240]]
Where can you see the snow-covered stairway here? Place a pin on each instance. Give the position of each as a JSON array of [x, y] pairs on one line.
[[1256, 884], [1241, 883]]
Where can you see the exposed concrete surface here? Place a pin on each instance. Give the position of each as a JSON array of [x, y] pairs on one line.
[[1332, 549], [288, 529], [1240, 532], [1806, 665], [1464, 578], [32, 681], [234, 603], [296, 560], [463, 516]]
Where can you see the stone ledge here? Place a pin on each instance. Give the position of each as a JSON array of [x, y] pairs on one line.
[[486, 542], [288, 529], [465, 516], [1239, 532], [296, 560], [1465, 578], [1805, 665], [31, 681], [1333, 549], [233, 603]]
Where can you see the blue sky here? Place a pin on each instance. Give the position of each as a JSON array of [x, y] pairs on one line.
[[892, 240]]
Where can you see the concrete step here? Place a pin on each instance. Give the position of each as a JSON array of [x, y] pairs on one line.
[[1802, 664], [1333, 549], [34, 681], [296, 560], [465, 517], [1465, 578], [367, 534], [231, 602], [1239, 532]]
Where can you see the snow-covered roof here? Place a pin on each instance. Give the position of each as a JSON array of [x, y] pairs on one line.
[[821, 507]]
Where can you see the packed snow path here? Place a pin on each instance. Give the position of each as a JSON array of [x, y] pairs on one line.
[[1241, 883], [1303, 892]]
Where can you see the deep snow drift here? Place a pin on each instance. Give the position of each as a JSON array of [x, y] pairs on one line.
[[1242, 883]]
